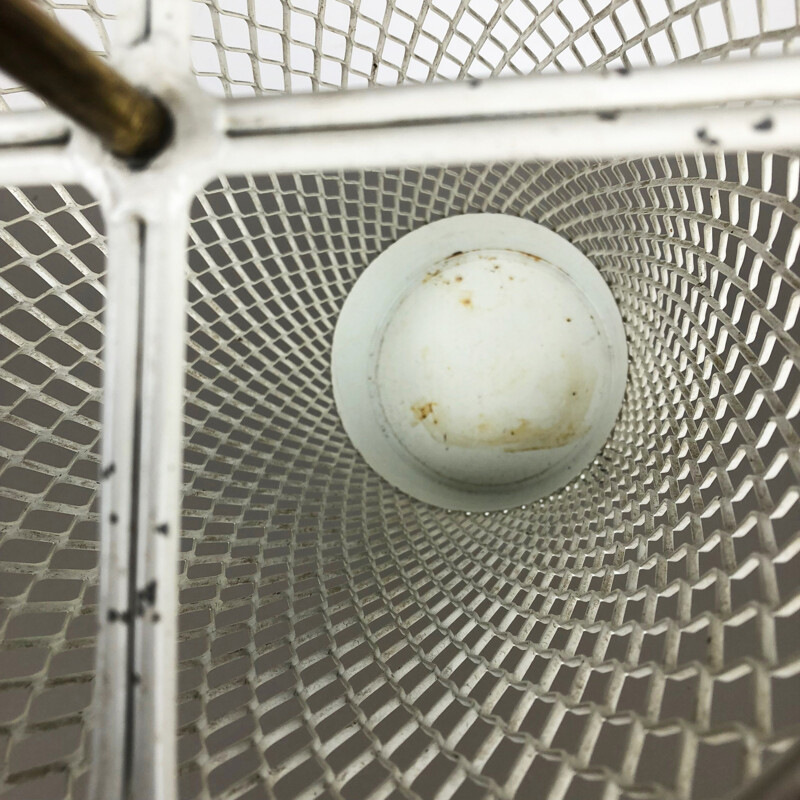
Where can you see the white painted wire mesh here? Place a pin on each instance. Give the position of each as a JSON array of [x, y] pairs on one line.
[[635, 635]]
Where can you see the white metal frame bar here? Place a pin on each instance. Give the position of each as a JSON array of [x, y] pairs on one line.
[[154, 762], [587, 115], [659, 90], [574, 135], [33, 128], [117, 503]]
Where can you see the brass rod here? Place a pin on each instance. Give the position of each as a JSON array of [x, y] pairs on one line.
[[42, 55]]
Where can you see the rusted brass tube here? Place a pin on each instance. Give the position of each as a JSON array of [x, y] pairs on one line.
[[45, 57]]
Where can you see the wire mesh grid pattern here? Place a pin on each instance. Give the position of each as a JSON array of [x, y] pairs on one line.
[[52, 256], [243, 48], [635, 635], [639, 623]]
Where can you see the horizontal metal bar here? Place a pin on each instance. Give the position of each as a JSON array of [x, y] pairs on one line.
[[26, 165], [653, 111], [677, 87], [42, 127], [633, 133]]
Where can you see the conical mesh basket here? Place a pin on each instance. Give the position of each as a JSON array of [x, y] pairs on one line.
[[634, 635]]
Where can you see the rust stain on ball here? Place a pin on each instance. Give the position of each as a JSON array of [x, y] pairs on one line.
[[524, 434], [422, 411]]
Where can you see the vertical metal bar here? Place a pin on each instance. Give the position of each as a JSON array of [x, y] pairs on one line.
[[136, 705], [170, 19], [118, 505], [133, 24], [136, 701], [165, 21], [162, 337]]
